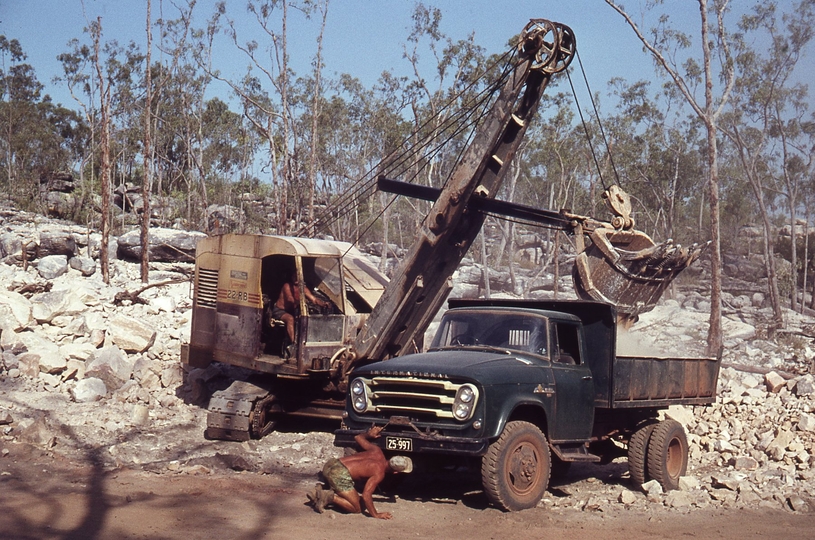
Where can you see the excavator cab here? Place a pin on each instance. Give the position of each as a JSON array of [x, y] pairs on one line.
[[239, 317]]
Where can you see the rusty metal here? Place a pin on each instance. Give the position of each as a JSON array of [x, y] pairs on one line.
[[626, 268], [615, 263]]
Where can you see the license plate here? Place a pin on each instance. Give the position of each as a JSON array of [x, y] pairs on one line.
[[399, 444]]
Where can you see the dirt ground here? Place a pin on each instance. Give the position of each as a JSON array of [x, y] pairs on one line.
[[44, 495]]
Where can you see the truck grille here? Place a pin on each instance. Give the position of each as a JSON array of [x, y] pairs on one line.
[[207, 287], [419, 399]]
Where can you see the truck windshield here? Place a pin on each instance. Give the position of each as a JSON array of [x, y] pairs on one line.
[[513, 331]]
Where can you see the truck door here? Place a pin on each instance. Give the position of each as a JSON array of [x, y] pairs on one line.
[[574, 387]]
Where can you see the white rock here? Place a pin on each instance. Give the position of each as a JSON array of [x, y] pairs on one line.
[[774, 382], [141, 415], [164, 303], [688, 483], [77, 351], [805, 386], [52, 266], [627, 497], [677, 499], [90, 389], [806, 422], [46, 306], [15, 310], [29, 364], [85, 265], [10, 341], [129, 334], [680, 413], [737, 330], [110, 365]]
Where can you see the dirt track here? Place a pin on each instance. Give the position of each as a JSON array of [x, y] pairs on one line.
[[43, 496]]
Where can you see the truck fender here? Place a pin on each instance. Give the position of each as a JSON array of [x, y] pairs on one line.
[[519, 408]]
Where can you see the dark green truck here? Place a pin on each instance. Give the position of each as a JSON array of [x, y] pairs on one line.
[[527, 384]]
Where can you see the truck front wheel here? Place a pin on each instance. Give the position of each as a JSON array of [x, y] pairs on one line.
[[515, 470], [668, 454]]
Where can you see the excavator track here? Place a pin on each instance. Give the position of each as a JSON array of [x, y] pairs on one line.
[[232, 412]]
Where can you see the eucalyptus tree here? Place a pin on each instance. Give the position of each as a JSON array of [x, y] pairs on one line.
[[655, 148], [37, 137], [266, 92], [668, 46], [764, 120], [359, 127]]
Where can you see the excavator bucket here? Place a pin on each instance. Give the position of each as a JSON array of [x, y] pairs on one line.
[[626, 268]]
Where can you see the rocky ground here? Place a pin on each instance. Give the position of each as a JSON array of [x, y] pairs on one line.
[[91, 378]]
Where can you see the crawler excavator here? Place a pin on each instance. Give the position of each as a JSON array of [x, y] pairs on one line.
[[369, 317]]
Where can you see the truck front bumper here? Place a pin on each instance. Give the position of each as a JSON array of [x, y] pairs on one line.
[[420, 443]]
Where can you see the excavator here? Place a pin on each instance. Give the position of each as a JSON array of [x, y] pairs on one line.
[[362, 316]]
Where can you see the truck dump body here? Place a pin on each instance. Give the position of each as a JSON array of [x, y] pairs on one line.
[[625, 381]]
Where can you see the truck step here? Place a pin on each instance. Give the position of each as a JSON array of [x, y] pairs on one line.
[[568, 452]]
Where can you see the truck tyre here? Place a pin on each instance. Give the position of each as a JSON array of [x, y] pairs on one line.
[[668, 454], [638, 454], [515, 470]]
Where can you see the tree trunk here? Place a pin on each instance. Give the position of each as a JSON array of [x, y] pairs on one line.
[[104, 97], [147, 180]]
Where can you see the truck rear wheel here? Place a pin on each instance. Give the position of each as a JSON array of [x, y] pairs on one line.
[[515, 470], [668, 454], [638, 454]]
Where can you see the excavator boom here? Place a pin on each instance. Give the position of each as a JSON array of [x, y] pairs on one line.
[[422, 282]]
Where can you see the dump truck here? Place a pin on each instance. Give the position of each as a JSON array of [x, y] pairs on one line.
[[522, 384], [362, 316]]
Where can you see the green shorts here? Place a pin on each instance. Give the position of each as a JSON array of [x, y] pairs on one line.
[[338, 476]]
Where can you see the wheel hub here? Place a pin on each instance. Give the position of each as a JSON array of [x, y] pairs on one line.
[[523, 469]]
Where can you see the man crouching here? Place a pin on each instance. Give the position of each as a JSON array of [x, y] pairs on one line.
[[369, 465]]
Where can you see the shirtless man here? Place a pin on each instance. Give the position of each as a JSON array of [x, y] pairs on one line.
[[369, 465], [288, 301]]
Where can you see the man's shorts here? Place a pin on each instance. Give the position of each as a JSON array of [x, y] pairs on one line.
[[338, 476]]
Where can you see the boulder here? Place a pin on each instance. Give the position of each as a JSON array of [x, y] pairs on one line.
[[806, 422], [29, 364], [56, 243], [10, 341], [46, 306], [777, 448], [129, 334], [805, 386], [15, 310], [85, 265], [78, 351], [90, 389], [53, 364], [164, 303], [12, 245], [110, 365], [223, 218], [165, 245], [774, 382], [52, 266]]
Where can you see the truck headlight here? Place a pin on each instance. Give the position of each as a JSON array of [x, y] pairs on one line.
[[464, 404], [359, 395]]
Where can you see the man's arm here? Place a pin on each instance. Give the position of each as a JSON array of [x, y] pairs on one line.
[[362, 438], [312, 298], [367, 495]]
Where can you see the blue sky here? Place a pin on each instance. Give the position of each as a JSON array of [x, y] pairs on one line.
[[363, 37]]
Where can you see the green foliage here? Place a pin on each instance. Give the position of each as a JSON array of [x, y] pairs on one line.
[[302, 141]]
